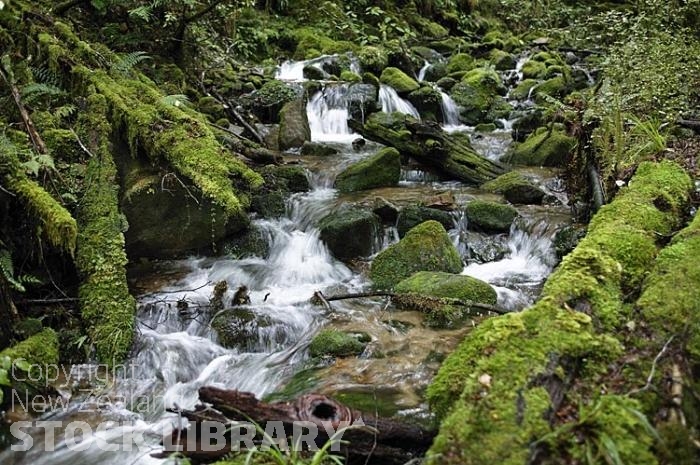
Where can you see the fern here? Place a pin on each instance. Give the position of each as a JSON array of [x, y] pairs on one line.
[[7, 271], [127, 62], [177, 100], [45, 75], [35, 91], [65, 111]]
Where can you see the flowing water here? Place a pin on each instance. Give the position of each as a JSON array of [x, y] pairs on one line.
[[391, 102], [176, 351]]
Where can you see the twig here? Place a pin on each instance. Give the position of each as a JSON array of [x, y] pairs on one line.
[[66, 300], [189, 193], [232, 112], [320, 298], [359, 295], [82, 146], [37, 141], [653, 368]]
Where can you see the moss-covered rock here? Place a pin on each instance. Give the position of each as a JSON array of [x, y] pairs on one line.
[[567, 238], [239, 328], [210, 106], [373, 59], [502, 60], [314, 73], [349, 76], [40, 351], [334, 343], [477, 93], [516, 188], [412, 216], [460, 62], [280, 181], [249, 243], [523, 89], [556, 87], [494, 387], [350, 232], [533, 69], [380, 170], [294, 125], [400, 81], [426, 247], [269, 100], [315, 149], [490, 216], [427, 101], [543, 148], [445, 286]]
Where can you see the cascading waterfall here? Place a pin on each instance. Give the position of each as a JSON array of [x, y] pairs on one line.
[[450, 110], [423, 70], [391, 102], [328, 114]]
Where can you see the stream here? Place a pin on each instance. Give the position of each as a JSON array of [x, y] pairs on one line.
[[176, 350]]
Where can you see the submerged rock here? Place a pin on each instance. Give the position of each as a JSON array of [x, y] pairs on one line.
[[426, 247], [334, 343], [239, 328], [314, 149], [380, 170], [516, 188], [250, 243], [412, 216], [350, 232], [490, 216]]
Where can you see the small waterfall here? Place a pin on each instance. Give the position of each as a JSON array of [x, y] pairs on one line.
[[450, 110], [423, 70], [518, 276], [328, 114], [391, 102]]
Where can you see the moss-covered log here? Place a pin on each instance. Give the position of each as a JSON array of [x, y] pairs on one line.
[[105, 302], [58, 225], [501, 393], [427, 143]]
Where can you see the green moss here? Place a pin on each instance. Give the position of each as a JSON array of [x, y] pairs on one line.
[[411, 216], [502, 60], [399, 80], [312, 42], [349, 76], [379, 170], [106, 305], [490, 216], [556, 87], [334, 343], [522, 90], [515, 188], [460, 62], [572, 331], [373, 59], [543, 149], [59, 227], [477, 93], [427, 247], [39, 350], [350, 232], [534, 70]]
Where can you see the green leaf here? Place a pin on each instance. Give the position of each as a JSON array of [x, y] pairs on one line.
[[23, 365], [4, 378], [32, 166], [611, 449]]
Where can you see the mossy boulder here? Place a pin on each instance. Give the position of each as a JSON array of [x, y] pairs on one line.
[[442, 291], [460, 62], [400, 81], [516, 188], [543, 148], [350, 232], [556, 87], [373, 59], [490, 216], [212, 107], [334, 343], [526, 122], [533, 69], [315, 149], [436, 72], [269, 100], [314, 73], [426, 247], [477, 93], [523, 89], [40, 351], [411, 216], [294, 125], [249, 243], [380, 170], [502, 60], [349, 76], [427, 101]]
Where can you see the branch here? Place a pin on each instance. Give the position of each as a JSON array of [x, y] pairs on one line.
[[37, 141], [653, 368], [203, 12], [228, 108]]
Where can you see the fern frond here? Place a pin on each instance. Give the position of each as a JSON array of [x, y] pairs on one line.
[[45, 75], [7, 270], [35, 91], [127, 62], [177, 100], [65, 111]]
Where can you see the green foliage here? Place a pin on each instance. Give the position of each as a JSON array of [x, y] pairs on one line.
[[127, 62], [7, 272]]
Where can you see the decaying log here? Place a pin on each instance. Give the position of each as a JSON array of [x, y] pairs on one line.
[[381, 441], [232, 113], [248, 149], [427, 143]]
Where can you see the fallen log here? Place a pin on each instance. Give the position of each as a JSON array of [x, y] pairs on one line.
[[379, 441], [427, 143], [248, 149]]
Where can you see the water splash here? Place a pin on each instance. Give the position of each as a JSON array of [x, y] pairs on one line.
[[450, 110], [423, 70], [328, 114]]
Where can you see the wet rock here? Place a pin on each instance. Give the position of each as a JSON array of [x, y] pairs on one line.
[[543, 148], [358, 143], [334, 343], [556, 87], [516, 188], [268, 101], [412, 216], [400, 81], [446, 83], [380, 170], [280, 181], [314, 149], [567, 238], [533, 69], [249, 243], [427, 101], [484, 248], [502, 60], [436, 72], [239, 328], [292, 177], [427, 53], [294, 125], [444, 201], [385, 210], [426, 247], [350, 232], [362, 100], [349, 76], [523, 89], [525, 124], [314, 73], [490, 216]]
